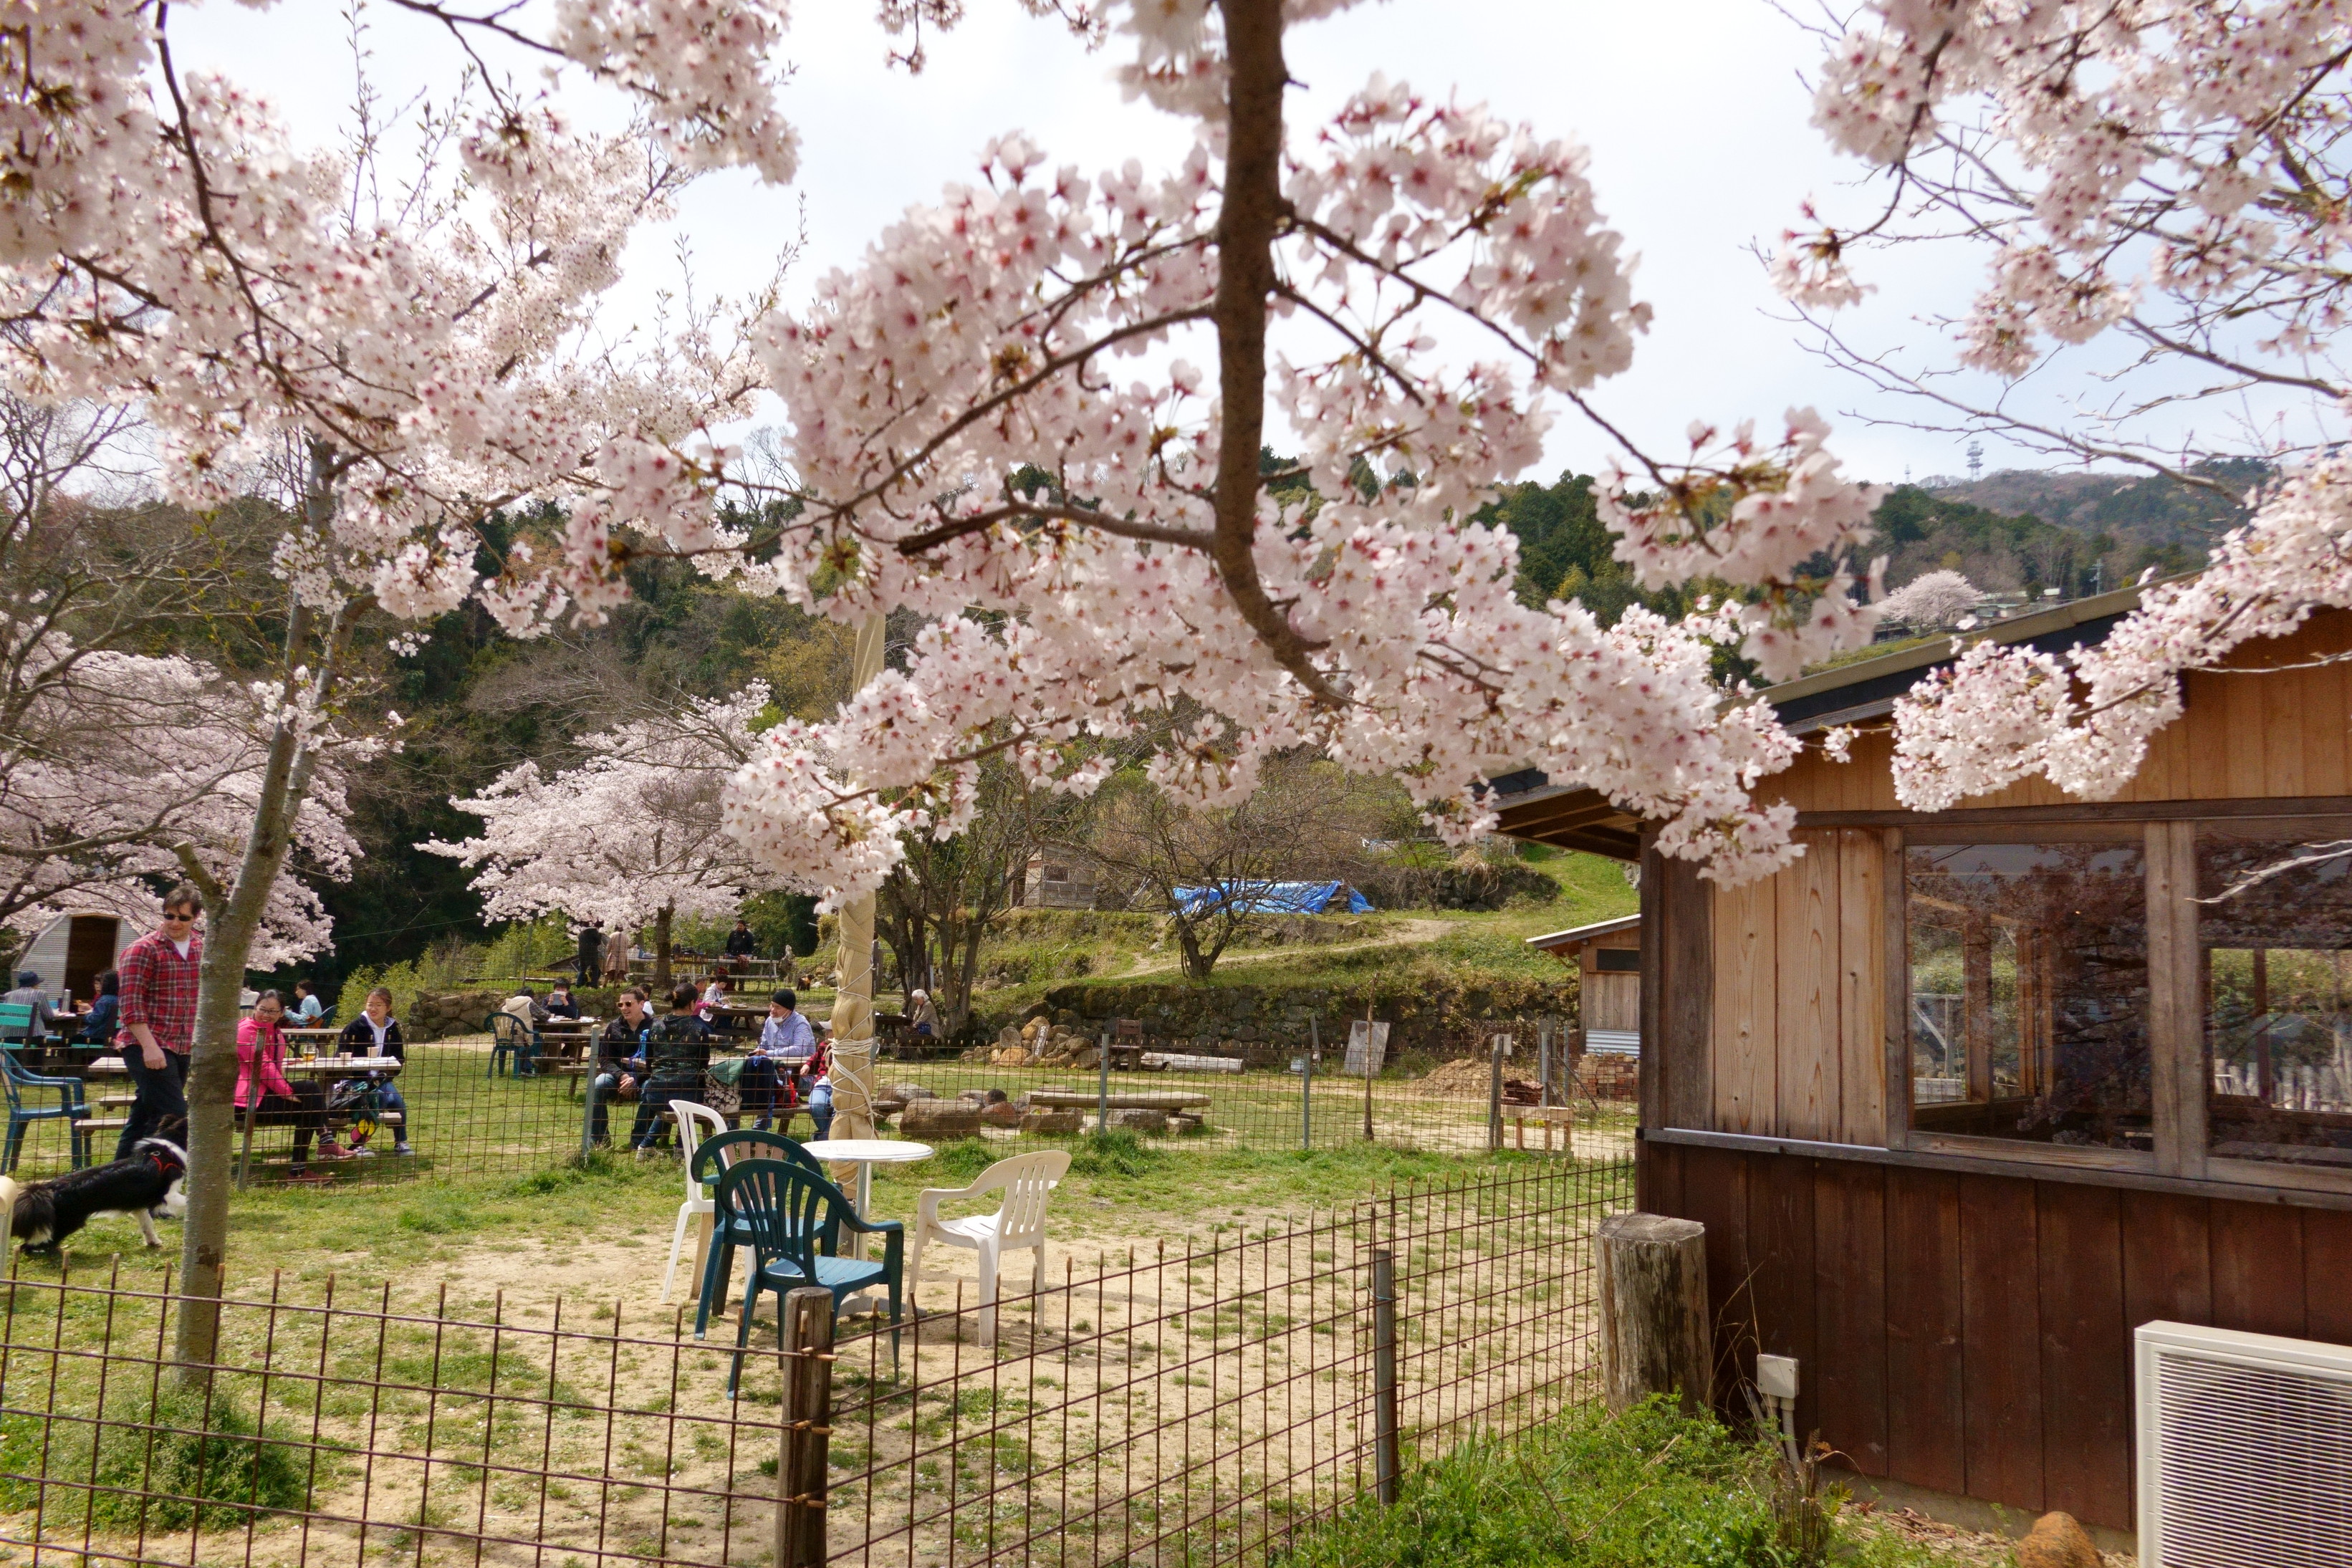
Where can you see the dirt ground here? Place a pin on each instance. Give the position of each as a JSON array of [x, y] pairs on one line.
[[1964, 1548]]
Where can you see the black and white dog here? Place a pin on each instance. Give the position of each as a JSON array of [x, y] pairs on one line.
[[146, 1187]]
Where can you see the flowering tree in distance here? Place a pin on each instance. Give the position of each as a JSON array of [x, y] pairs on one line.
[[2169, 178], [633, 836], [135, 772], [1932, 598]]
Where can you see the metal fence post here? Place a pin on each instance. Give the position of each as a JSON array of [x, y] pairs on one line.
[[803, 1454], [1386, 1467], [1494, 1097], [1543, 1058], [1102, 1093], [587, 1112], [1307, 1089]]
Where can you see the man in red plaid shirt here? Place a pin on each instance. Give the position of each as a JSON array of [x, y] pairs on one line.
[[159, 1015]]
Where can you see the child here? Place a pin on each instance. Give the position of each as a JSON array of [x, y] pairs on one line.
[[376, 1032]]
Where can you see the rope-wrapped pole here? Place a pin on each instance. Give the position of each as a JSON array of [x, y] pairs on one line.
[[852, 1007]]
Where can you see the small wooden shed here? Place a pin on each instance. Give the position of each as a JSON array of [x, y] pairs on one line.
[[1607, 959], [1963, 1098], [73, 950]]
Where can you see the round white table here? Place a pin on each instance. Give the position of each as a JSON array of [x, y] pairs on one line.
[[865, 1154]]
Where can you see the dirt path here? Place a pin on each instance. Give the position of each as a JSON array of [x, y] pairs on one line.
[[1405, 933]]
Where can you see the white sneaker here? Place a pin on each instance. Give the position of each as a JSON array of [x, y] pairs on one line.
[[402, 1149]]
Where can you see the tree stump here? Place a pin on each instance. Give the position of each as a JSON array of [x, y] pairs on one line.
[[1655, 1333]]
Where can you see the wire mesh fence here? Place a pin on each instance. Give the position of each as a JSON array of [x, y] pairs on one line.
[[1199, 1405], [463, 1106], [458, 1106]]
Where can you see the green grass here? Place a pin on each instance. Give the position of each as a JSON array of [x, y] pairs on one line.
[[1652, 1489]]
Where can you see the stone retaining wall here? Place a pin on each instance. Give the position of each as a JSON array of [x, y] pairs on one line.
[[1265, 1026]]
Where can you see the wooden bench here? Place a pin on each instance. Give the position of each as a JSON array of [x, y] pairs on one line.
[[1564, 1116]]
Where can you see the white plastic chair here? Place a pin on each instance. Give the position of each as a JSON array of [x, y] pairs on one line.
[[695, 1122], [1026, 1181]]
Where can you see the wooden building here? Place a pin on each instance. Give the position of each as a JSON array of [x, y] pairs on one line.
[[1607, 959], [1964, 1098]]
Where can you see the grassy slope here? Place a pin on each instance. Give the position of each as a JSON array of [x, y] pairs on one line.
[[1041, 949]]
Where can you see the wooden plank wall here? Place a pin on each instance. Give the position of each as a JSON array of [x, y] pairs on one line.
[[1796, 1038], [1972, 1334], [2241, 736]]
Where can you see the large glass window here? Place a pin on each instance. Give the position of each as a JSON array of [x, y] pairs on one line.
[[2274, 919], [2029, 992]]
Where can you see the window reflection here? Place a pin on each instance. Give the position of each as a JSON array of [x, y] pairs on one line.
[[2029, 992], [2278, 1039]]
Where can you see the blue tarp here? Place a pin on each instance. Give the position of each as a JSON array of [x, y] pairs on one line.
[[1274, 898]]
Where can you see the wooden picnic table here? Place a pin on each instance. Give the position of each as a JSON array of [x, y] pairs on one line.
[[312, 1067]]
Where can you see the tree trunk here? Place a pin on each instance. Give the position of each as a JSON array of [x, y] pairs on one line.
[[661, 950], [235, 917], [1197, 964]]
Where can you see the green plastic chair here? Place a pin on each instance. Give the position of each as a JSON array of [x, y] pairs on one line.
[[513, 1042], [714, 1154], [784, 1210], [21, 1116]]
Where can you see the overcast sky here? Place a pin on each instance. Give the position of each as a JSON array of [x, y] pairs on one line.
[[1694, 110]]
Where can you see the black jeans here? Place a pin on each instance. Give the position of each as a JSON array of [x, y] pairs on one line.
[[652, 1101], [162, 1092]]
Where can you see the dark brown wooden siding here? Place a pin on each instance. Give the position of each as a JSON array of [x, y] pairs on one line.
[[1972, 1333]]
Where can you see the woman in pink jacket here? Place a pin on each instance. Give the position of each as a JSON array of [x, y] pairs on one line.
[[263, 1090]]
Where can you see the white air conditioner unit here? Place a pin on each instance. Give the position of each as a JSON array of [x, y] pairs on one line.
[[2245, 1449]]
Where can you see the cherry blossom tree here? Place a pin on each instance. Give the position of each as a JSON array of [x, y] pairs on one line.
[[982, 341], [131, 773], [1932, 598], [633, 836], [423, 344], [2165, 179]]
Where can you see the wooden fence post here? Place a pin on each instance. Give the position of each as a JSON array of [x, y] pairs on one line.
[[1655, 1327], [803, 1455]]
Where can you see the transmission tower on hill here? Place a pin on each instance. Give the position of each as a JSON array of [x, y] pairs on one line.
[[1976, 460]]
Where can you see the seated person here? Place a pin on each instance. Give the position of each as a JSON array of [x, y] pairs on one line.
[[678, 1053], [375, 1032], [560, 1004], [715, 995], [262, 1089], [922, 1018], [104, 1019], [525, 1004], [620, 1060], [820, 1097], [44, 1018], [307, 1009]]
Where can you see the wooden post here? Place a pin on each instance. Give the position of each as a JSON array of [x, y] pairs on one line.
[[803, 1454], [1655, 1332], [1307, 1089], [1102, 1090]]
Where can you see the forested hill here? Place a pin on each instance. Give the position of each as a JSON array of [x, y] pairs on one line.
[[2080, 533]]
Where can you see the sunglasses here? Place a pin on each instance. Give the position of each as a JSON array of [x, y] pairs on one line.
[[171, 918]]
